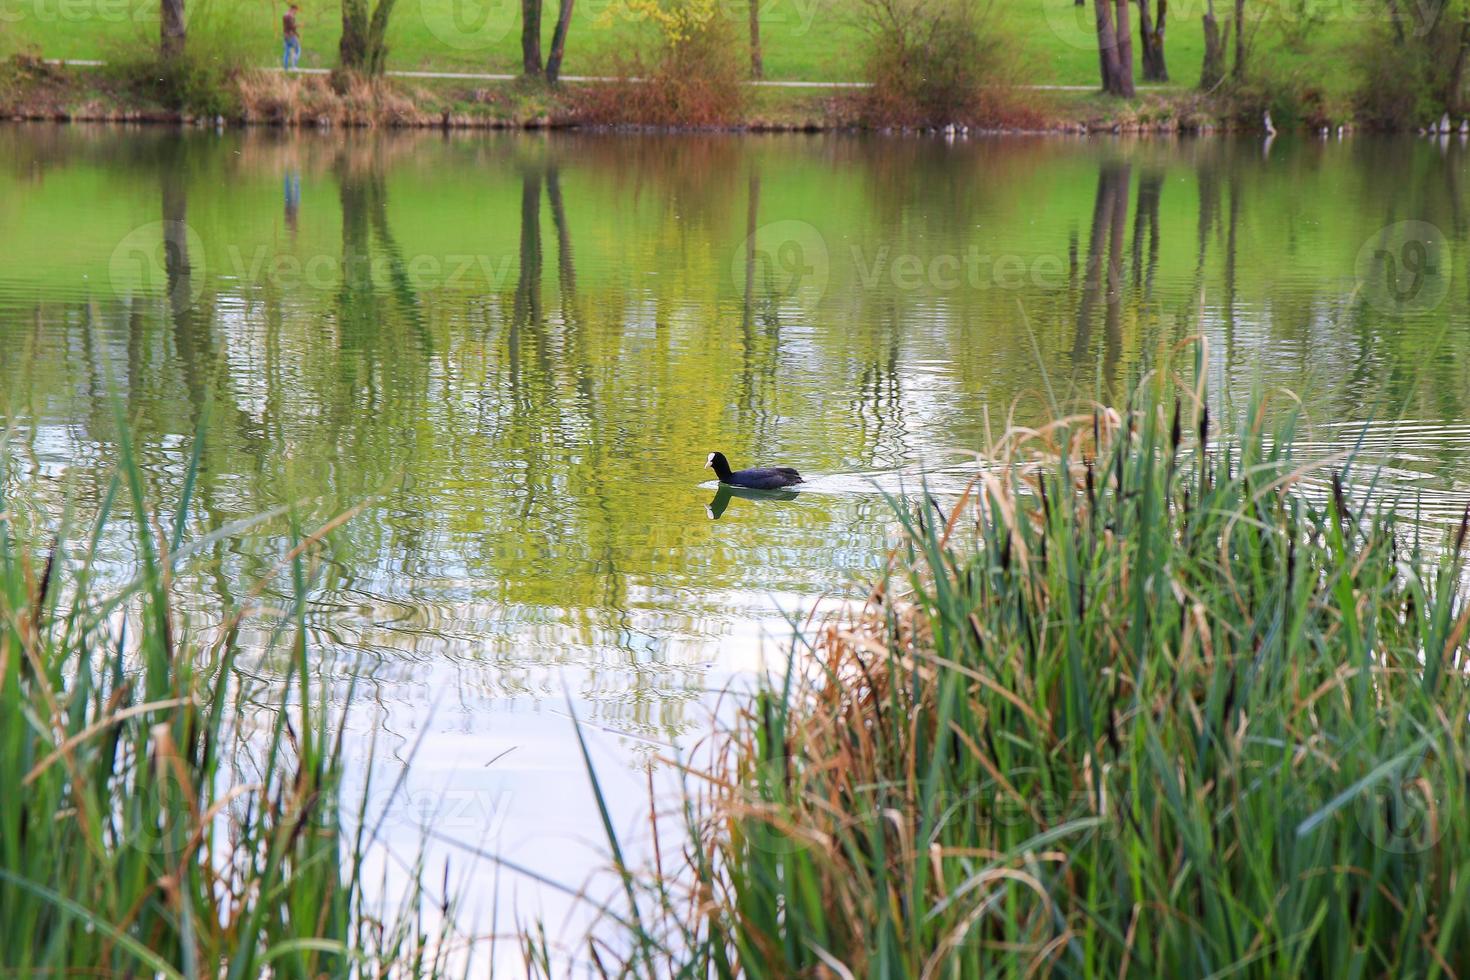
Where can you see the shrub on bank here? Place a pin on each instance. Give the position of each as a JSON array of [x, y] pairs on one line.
[[1412, 66], [188, 84], [131, 842], [200, 79], [686, 69], [1394, 89], [1149, 697], [939, 62], [1293, 100]]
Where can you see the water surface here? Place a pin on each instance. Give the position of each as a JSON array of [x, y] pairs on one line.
[[518, 350]]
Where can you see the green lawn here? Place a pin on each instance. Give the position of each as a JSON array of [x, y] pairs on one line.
[[1053, 40]]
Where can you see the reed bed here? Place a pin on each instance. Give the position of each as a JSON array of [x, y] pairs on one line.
[[131, 843], [1132, 706]]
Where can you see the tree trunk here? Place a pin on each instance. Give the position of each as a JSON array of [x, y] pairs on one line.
[[1237, 71], [531, 38], [171, 30], [559, 41], [178, 268], [757, 69], [1454, 96], [377, 44], [1213, 71], [1151, 39], [1146, 224], [1113, 308], [1397, 20], [526, 313], [1102, 210], [566, 270], [752, 211], [1104, 273], [1107, 46], [1124, 34], [349, 46], [357, 306], [364, 44]]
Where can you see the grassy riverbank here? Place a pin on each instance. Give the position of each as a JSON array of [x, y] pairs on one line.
[[1151, 697], [149, 829], [34, 90], [1310, 62], [801, 39]]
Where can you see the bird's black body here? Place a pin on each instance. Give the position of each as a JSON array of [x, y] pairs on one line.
[[759, 478]]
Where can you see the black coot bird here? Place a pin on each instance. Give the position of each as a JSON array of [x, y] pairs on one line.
[[760, 478]]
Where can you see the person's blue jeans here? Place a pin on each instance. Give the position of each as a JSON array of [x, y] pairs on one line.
[[291, 56]]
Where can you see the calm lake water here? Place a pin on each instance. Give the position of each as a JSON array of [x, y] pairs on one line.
[[518, 350]]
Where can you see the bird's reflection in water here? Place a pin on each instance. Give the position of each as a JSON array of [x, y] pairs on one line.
[[716, 507]]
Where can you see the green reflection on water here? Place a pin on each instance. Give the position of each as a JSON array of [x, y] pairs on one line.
[[521, 349]]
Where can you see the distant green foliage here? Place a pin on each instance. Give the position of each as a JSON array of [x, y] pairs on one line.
[[1411, 65]]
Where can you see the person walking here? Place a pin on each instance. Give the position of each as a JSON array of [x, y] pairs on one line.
[[291, 54]]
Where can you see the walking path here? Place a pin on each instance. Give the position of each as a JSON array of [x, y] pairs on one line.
[[472, 76]]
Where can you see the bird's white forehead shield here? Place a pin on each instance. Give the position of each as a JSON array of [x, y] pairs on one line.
[[709, 462]]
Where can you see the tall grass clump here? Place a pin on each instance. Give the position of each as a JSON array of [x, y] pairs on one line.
[[132, 842], [349, 99], [1147, 700]]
